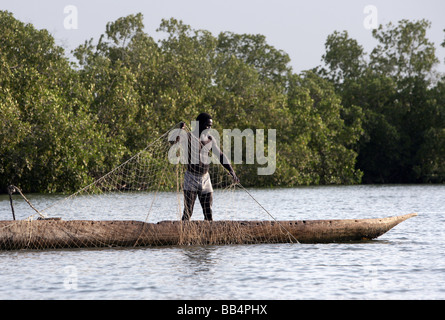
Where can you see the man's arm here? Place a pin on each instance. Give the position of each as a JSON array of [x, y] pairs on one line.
[[224, 160]]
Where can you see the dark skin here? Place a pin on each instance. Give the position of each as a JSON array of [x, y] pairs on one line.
[[205, 199], [202, 168]]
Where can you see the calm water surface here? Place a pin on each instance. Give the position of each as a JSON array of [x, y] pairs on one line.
[[406, 263]]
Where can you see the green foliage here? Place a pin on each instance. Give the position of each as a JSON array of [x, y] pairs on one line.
[[64, 124], [403, 51], [402, 106], [49, 142], [344, 58]]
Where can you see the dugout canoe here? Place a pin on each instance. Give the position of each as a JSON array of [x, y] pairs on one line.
[[54, 234]]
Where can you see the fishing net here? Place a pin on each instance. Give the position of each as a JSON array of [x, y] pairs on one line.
[[165, 194], [151, 185]]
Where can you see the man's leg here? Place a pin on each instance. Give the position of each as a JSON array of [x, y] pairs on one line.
[[206, 200], [189, 203]]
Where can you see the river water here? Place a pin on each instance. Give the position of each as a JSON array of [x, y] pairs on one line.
[[408, 262]]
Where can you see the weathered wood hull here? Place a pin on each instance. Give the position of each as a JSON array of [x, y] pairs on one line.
[[52, 234]]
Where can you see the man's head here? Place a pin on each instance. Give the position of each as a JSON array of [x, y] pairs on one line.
[[205, 121]]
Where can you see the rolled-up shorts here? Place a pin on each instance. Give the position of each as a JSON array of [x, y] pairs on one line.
[[197, 183]]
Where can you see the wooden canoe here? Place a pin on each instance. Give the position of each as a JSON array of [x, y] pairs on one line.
[[53, 234]]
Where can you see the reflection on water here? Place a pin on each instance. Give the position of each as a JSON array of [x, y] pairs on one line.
[[406, 263]]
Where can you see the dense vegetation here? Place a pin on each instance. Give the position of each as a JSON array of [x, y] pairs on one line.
[[372, 118]]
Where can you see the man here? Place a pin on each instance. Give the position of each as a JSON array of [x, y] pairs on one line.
[[197, 178]]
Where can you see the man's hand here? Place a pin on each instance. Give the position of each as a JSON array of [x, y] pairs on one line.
[[235, 178], [181, 127]]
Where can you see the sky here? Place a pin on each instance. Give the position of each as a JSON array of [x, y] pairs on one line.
[[299, 28]]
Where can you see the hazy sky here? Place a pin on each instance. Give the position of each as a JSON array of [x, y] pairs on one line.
[[299, 28]]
